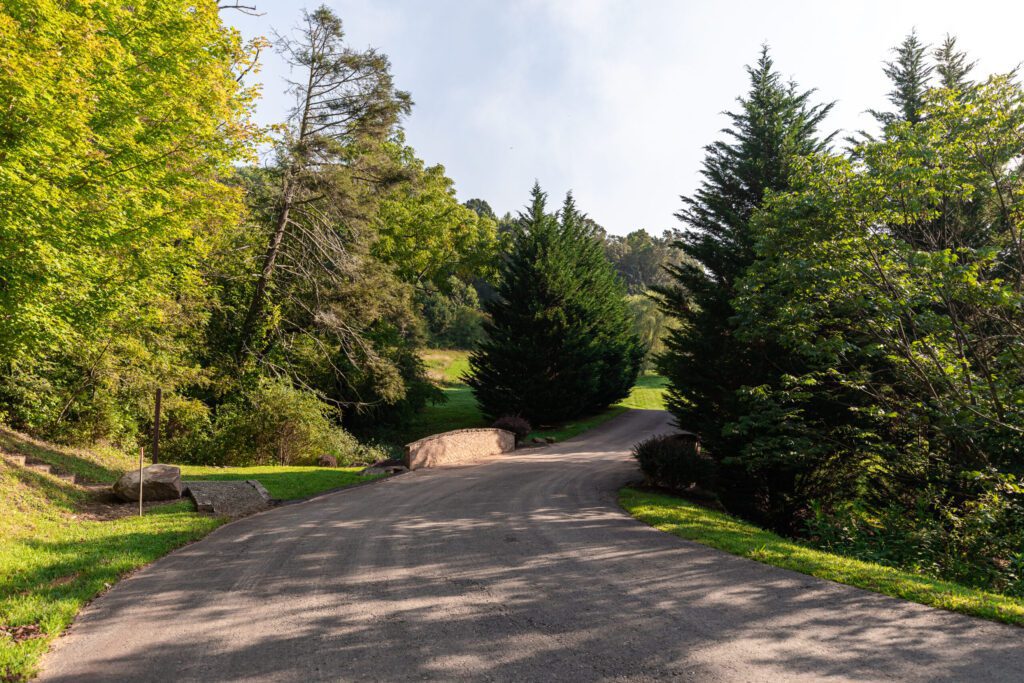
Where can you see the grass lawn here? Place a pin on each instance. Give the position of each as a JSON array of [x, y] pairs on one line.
[[718, 530], [576, 427], [447, 366], [458, 412], [648, 394], [56, 554], [53, 559]]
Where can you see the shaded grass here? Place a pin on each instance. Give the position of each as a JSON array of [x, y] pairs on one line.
[[570, 429], [460, 411], [283, 483], [99, 464], [52, 561], [719, 530]]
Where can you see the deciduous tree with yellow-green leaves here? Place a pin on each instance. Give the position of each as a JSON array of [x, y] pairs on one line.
[[118, 129]]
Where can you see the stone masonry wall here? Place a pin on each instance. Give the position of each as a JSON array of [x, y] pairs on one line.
[[458, 446]]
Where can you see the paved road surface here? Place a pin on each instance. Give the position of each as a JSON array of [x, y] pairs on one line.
[[520, 568]]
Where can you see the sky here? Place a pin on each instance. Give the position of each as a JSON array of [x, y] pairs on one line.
[[615, 99]]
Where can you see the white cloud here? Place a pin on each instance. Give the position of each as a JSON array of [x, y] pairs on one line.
[[616, 98]]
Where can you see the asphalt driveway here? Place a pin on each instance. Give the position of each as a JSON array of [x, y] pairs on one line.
[[516, 568]]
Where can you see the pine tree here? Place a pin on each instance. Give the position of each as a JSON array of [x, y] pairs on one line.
[[910, 74], [704, 362], [560, 341], [603, 309], [952, 65]]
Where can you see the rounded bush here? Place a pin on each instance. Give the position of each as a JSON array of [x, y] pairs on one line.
[[674, 461], [277, 423], [515, 424]]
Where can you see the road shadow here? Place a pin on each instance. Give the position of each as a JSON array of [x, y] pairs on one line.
[[519, 570]]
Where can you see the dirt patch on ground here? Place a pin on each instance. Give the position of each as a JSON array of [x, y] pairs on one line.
[[102, 506]]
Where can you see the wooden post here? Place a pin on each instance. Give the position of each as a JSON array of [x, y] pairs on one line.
[[156, 426], [142, 457]]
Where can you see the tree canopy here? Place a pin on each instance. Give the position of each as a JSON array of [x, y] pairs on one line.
[[848, 343]]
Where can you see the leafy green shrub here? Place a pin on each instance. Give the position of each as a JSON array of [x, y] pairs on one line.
[[515, 424], [674, 461], [185, 429], [276, 423], [977, 541]]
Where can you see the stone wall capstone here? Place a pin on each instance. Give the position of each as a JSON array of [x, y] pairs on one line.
[[451, 448]]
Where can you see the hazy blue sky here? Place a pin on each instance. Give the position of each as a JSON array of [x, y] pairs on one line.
[[616, 98]]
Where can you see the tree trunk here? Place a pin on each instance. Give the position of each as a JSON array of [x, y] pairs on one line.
[[252, 316], [255, 311]]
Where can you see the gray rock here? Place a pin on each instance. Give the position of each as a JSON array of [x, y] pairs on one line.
[[384, 469], [327, 460], [389, 462], [159, 482], [228, 498]]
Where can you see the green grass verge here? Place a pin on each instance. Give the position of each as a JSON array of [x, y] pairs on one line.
[[52, 561], [575, 428], [283, 483], [718, 530]]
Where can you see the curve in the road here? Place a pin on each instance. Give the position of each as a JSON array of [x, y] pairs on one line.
[[521, 567]]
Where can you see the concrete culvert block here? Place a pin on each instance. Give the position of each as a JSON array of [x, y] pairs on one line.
[[389, 466], [457, 446], [229, 498]]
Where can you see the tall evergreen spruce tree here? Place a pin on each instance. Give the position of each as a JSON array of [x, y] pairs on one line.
[[910, 74], [704, 362], [952, 65], [560, 341]]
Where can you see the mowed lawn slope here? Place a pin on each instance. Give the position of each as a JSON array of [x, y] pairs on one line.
[[57, 553], [59, 548], [448, 367]]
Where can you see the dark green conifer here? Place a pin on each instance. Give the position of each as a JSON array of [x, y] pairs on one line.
[[910, 73], [704, 362], [952, 65], [560, 340]]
